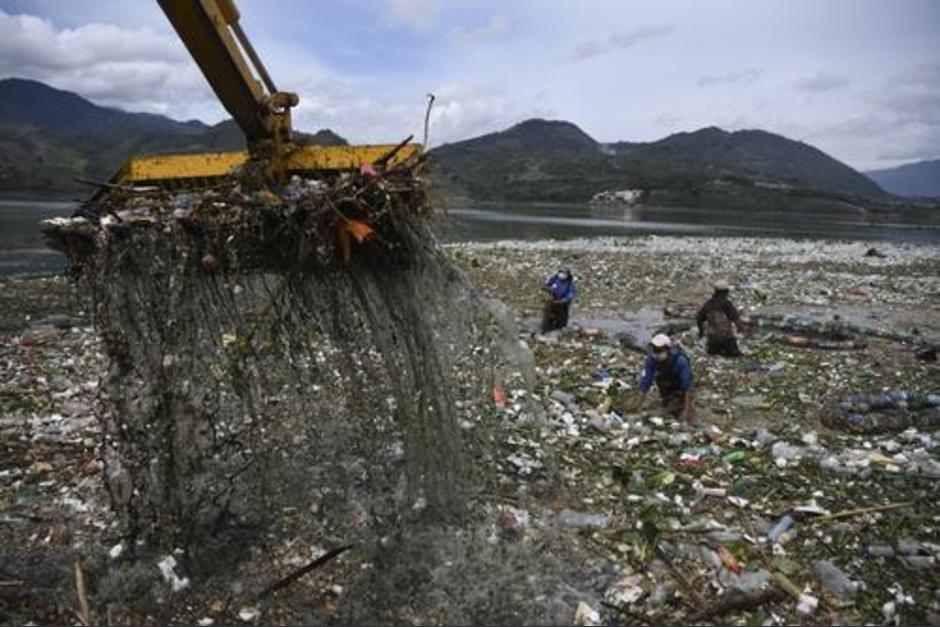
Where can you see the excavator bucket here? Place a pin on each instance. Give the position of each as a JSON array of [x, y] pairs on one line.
[[181, 171]]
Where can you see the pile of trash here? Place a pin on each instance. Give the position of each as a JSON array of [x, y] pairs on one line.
[[286, 363], [578, 504], [53, 506], [780, 505], [777, 521]]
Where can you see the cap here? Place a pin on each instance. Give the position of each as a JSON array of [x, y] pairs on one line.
[[722, 286], [661, 340]]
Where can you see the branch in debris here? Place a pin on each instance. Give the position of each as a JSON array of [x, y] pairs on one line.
[[300, 572], [735, 600], [862, 510], [382, 161], [84, 611]]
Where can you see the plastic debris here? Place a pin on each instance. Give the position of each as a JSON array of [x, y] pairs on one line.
[[585, 615], [627, 591], [167, 567], [728, 559], [781, 527], [835, 580], [249, 614], [571, 518], [631, 474], [807, 605]]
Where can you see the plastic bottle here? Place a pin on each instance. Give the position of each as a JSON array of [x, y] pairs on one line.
[[835, 580], [780, 528]]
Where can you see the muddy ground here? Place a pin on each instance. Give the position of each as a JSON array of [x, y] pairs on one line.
[[652, 521]]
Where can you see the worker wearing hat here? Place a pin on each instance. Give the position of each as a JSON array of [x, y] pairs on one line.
[[715, 320], [671, 369], [561, 292]]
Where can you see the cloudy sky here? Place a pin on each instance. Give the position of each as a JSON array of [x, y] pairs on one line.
[[858, 78]]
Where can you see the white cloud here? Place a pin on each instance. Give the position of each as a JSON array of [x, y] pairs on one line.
[[821, 82], [619, 40], [494, 27], [134, 69], [650, 68], [745, 76], [461, 112], [138, 70], [417, 14], [31, 41]]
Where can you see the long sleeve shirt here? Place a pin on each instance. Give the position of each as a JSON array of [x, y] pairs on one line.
[[562, 290], [718, 302], [677, 367]]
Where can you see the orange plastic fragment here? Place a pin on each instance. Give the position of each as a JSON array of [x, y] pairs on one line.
[[358, 229], [728, 559], [349, 229]]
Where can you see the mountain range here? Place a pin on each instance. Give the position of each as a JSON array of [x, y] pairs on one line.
[[49, 137], [921, 179], [557, 161]]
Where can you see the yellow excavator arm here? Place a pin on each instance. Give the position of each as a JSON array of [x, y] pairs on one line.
[[211, 31]]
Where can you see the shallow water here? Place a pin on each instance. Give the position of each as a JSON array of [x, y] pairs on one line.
[[640, 324], [534, 221], [22, 248]]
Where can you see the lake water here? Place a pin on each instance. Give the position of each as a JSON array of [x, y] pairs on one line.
[[22, 250], [495, 222]]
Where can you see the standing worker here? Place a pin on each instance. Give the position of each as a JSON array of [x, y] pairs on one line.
[[560, 294], [671, 369], [717, 316]]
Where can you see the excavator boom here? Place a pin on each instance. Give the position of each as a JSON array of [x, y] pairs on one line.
[[203, 25], [211, 32]]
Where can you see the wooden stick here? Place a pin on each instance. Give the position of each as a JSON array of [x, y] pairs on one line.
[[734, 600], [862, 510], [297, 574], [384, 159], [678, 576], [84, 613], [107, 185]]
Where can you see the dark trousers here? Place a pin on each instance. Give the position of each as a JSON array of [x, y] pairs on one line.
[[726, 346], [555, 316], [673, 401]]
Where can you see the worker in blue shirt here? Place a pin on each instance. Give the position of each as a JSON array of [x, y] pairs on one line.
[[671, 369], [560, 292]]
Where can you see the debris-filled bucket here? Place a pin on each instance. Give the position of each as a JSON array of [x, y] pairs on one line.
[[306, 350]]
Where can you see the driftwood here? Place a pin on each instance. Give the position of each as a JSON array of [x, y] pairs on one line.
[[862, 510], [735, 599], [300, 572], [84, 611]]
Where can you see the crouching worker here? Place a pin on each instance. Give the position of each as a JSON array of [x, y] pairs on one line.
[[714, 320], [560, 292], [671, 369]]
